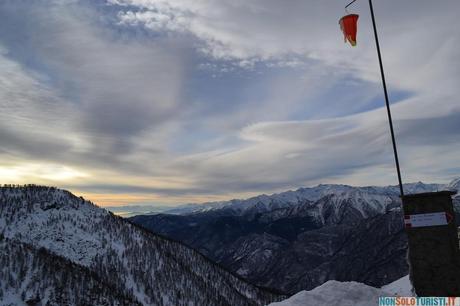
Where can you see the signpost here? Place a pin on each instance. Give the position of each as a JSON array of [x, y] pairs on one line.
[[434, 254], [426, 220]]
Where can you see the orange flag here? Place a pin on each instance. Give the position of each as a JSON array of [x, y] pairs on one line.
[[349, 27]]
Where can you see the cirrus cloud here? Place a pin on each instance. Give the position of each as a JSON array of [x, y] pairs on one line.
[[179, 100]]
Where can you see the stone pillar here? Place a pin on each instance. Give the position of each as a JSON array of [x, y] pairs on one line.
[[434, 254]]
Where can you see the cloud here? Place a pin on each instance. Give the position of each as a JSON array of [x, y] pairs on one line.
[[182, 100], [26, 104], [261, 30], [229, 29], [80, 85], [285, 154], [48, 172]]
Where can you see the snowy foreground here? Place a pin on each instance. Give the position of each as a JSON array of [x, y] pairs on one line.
[[347, 294]]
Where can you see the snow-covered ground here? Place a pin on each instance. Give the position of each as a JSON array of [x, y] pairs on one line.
[[401, 287], [347, 294]]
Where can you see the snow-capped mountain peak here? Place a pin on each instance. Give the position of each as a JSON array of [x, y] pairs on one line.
[[454, 185], [367, 201]]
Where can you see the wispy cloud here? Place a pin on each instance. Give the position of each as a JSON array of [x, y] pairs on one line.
[[179, 100]]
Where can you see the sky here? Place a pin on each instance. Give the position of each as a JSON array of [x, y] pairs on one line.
[[133, 102]]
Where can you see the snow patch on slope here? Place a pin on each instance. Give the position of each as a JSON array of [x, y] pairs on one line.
[[400, 287], [336, 293], [347, 294]]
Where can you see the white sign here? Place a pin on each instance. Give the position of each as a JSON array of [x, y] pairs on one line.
[[422, 220]]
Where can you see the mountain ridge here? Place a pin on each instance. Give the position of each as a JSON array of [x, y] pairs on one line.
[[290, 197], [118, 251], [264, 240]]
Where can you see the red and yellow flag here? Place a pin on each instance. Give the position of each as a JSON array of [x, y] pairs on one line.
[[349, 27]]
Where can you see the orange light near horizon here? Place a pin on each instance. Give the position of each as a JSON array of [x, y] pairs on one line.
[[115, 199], [125, 199]]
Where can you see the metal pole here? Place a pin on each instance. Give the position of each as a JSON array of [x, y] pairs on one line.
[[350, 4], [395, 151]]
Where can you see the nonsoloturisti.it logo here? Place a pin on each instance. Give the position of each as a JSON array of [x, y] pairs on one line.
[[418, 301]]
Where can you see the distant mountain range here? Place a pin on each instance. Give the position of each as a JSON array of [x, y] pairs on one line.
[[297, 240], [58, 249], [263, 203], [127, 211]]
